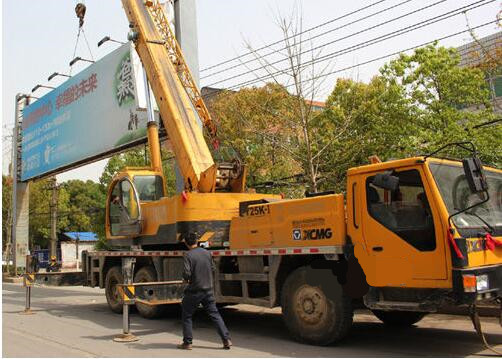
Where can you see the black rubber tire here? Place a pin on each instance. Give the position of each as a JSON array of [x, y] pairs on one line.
[[113, 297], [314, 307], [144, 275], [398, 318]]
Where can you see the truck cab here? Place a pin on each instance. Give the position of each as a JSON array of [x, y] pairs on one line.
[[416, 224]]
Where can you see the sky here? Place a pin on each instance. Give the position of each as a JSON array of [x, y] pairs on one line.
[[38, 38]]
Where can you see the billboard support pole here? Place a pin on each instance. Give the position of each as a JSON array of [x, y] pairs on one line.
[[20, 192], [185, 24]]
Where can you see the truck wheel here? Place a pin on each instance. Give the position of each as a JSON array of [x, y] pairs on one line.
[[314, 308], [113, 297], [144, 275], [398, 318]]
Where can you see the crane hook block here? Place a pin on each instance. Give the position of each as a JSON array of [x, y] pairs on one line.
[[80, 12]]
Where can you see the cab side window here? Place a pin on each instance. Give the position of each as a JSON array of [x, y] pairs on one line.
[[150, 188], [405, 211]]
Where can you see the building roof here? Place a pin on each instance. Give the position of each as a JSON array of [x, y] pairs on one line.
[[472, 53], [318, 104], [81, 236]]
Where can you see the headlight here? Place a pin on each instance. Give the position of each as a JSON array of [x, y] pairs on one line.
[[482, 282]]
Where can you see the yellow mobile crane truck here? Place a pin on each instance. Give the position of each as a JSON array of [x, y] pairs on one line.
[[409, 237]]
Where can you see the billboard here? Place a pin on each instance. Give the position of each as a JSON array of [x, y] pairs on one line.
[[94, 112]]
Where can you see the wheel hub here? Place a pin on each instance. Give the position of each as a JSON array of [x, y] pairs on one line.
[[310, 305]]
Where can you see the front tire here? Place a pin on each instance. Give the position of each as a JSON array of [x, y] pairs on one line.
[[398, 318], [113, 297], [314, 307], [145, 275]]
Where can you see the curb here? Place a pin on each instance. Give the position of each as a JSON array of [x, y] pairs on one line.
[[17, 280]]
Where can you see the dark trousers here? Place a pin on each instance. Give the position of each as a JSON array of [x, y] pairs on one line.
[[190, 302]]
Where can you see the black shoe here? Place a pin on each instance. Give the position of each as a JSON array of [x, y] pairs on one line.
[[185, 346], [227, 344]]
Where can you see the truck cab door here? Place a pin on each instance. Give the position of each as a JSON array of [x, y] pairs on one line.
[[124, 211], [402, 232]]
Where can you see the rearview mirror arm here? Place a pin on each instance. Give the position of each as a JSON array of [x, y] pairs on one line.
[[459, 144]]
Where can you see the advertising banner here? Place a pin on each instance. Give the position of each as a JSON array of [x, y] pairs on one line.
[[94, 112]]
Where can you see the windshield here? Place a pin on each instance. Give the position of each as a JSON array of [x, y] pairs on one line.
[[456, 195]]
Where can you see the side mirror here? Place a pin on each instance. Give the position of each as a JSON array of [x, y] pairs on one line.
[[473, 169], [386, 181]]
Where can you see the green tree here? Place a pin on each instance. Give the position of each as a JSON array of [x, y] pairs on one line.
[[40, 212], [6, 211], [255, 125], [417, 104], [447, 101], [86, 206], [361, 120]]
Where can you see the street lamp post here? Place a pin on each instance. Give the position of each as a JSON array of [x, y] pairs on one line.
[[107, 38], [40, 86], [57, 74], [78, 58]]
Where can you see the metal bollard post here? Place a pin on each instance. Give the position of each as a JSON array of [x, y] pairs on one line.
[[28, 280], [128, 297]]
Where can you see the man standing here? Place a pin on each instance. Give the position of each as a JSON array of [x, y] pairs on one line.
[[198, 272]]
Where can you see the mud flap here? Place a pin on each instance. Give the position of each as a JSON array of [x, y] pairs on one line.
[[473, 313]]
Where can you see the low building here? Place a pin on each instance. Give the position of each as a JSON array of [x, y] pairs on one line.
[[486, 53], [72, 244]]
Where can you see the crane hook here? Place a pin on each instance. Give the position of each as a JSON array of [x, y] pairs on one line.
[[80, 12]]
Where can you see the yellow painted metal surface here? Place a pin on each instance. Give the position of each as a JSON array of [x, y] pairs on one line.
[[399, 264], [154, 147], [191, 207], [308, 222], [180, 119], [388, 260]]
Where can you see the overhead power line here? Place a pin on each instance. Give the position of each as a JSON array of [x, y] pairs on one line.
[[310, 38], [379, 57], [353, 48], [293, 36], [361, 45], [398, 52]]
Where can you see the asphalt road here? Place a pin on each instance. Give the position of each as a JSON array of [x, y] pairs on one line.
[[76, 322]]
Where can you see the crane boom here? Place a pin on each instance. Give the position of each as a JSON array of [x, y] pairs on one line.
[[178, 60], [164, 66]]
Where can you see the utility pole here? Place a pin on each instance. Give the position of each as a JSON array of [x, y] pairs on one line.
[[54, 217]]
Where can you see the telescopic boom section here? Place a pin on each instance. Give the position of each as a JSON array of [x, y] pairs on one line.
[[172, 95]]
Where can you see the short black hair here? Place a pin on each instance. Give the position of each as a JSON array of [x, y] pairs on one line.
[[191, 239]]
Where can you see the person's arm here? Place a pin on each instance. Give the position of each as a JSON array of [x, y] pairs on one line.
[[187, 269]]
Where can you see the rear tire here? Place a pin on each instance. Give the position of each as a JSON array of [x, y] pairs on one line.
[[314, 307], [398, 318], [113, 297], [145, 275]]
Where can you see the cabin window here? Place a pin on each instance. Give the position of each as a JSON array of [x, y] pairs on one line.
[[150, 188], [404, 211]]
